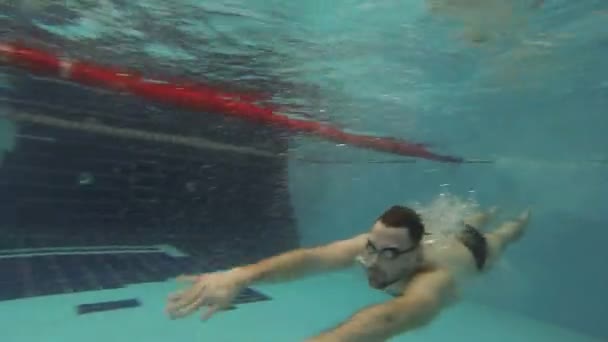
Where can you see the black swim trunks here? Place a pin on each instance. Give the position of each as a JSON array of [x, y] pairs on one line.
[[476, 242]]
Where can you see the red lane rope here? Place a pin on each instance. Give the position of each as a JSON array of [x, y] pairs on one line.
[[197, 97]]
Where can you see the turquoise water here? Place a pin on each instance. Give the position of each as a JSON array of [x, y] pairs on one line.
[[305, 308], [525, 88]]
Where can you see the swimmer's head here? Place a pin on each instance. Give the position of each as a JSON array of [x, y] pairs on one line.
[[393, 248]]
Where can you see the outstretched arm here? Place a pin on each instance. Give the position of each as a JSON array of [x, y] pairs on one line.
[[301, 262], [424, 298], [218, 290]]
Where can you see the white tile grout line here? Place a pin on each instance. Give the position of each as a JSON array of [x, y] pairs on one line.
[[171, 250], [29, 252], [12, 256], [26, 250]]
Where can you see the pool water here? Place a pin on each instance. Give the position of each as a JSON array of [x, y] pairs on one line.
[[297, 311], [107, 194]]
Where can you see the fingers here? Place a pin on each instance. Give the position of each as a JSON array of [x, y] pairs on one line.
[[210, 311], [186, 301], [189, 308], [181, 295], [525, 216], [184, 278], [175, 296]]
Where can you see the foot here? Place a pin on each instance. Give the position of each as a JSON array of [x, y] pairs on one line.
[[524, 217], [521, 223]]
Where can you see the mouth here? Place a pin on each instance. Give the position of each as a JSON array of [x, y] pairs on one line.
[[376, 278]]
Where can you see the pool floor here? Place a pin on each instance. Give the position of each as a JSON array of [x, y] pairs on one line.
[[296, 311]]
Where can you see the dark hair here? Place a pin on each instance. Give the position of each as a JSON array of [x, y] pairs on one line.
[[403, 217]]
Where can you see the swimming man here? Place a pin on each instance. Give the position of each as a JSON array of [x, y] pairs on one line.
[[399, 257]]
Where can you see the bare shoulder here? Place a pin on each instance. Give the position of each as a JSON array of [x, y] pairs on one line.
[[433, 278], [436, 282]]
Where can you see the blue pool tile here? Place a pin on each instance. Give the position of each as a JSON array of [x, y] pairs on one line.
[[107, 276], [10, 283], [183, 265], [9, 291], [115, 262], [7, 266], [109, 283], [68, 263], [46, 288], [128, 277], [41, 268], [48, 275], [80, 284], [72, 272]]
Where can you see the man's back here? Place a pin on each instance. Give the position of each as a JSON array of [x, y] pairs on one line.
[[450, 255]]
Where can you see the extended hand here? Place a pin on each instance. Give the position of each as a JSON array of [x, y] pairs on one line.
[[214, 290]]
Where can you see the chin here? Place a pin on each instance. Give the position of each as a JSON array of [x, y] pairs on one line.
[[376, 285]]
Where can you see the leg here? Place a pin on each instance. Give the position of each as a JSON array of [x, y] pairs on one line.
[[479, 220], [507, 233]]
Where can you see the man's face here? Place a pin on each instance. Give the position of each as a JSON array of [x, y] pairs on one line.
[[389, 256]]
